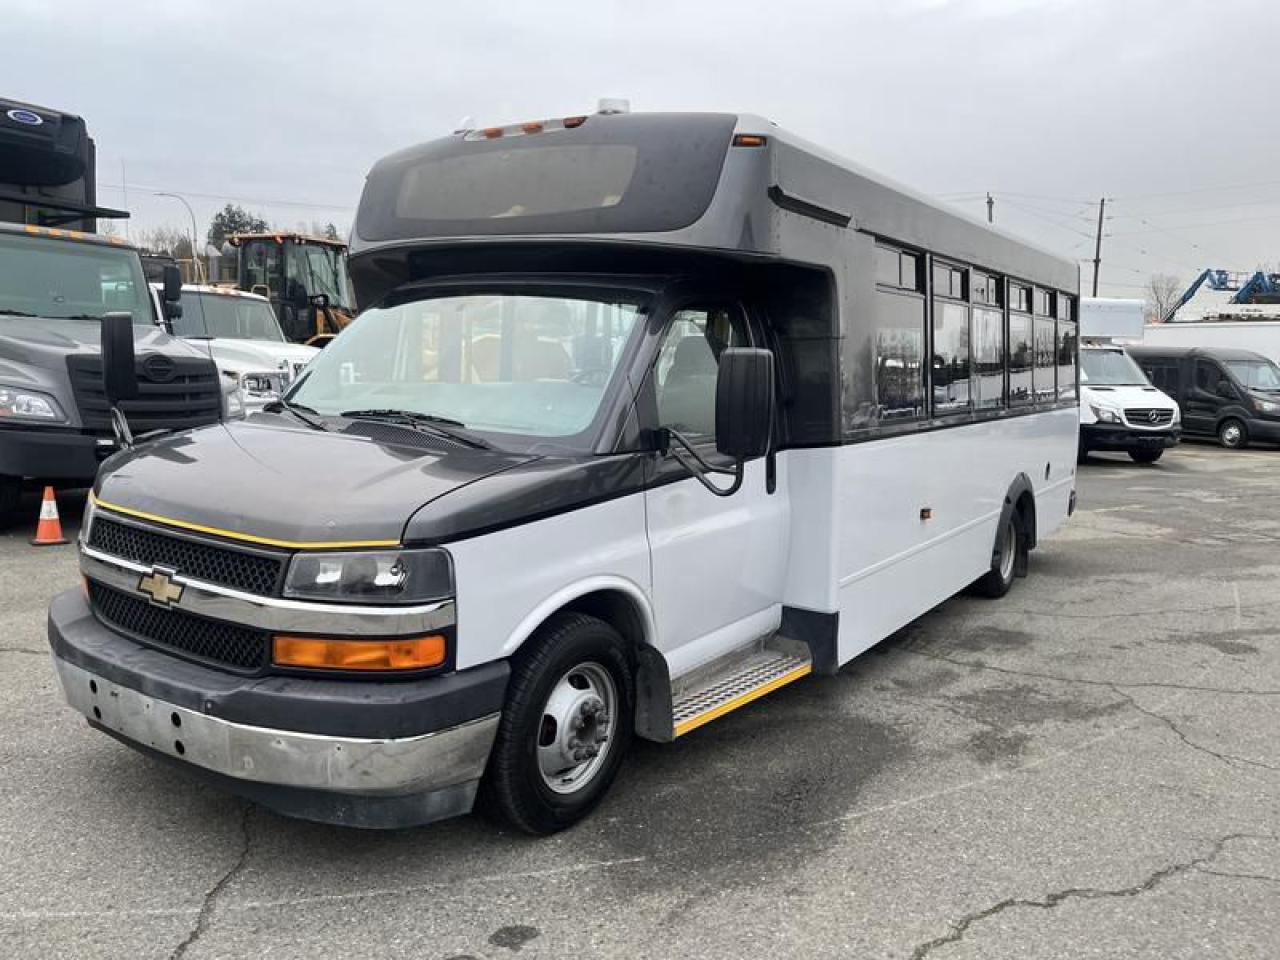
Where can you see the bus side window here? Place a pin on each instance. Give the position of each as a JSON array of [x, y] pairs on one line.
[[688, 365], [1207, 376]]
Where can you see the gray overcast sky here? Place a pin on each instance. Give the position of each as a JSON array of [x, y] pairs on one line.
[[1165, 106]]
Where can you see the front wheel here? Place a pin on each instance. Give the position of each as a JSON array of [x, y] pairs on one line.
[[1146, 456], [565, 728], [1232, 434]]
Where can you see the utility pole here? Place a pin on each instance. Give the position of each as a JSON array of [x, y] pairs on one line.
[[991, 206], [1097, 247]]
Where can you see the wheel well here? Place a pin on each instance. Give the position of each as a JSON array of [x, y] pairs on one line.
[[616, 609]]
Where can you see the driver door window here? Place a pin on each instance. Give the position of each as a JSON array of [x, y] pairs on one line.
[[688, 366]]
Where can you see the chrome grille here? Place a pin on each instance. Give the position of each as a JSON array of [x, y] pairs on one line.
[[225, 644], [257, 572], [1148, 416]]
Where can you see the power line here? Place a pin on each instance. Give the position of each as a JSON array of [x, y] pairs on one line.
[[228, 196], [1195, 190]]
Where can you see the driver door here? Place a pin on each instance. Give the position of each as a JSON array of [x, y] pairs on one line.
[[718, 562]]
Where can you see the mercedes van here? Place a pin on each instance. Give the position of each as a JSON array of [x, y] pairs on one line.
[[1119, 408]]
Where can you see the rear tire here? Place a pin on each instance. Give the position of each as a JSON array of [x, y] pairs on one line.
[[1146, 456], [572, 691], [996, 582], [1232, 434]]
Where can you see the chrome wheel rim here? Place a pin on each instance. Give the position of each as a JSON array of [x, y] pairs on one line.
[[576, 730], [1008, 549], [1231, 435]]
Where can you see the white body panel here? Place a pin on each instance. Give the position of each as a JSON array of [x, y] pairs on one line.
[[511, 580], [1111, 318], [841, 534], [1260, 336], [892, 566], [719, 564]]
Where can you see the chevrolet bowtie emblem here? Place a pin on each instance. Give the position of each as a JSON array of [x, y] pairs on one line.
[[159, 586]]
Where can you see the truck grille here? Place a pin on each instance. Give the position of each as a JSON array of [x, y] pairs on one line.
[[258, 573], [174, 393], [1148, 416], [225, 644]]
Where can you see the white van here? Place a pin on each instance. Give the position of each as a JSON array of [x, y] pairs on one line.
[[1119, 408]]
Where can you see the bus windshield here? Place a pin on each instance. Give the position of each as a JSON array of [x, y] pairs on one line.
[[529, 369], [1110, 368], [70, 279], [226, 316], [1256, 374]]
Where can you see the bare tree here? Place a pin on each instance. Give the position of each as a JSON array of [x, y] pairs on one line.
[[165, 239], [1161, 293]]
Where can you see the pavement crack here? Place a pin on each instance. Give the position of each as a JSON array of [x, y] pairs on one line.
[[961, 927], [207, 906], [1087, 681], [26, 650], [1228, 758], [1266, 878]]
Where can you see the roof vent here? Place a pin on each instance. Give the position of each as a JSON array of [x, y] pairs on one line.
[[610, 105]]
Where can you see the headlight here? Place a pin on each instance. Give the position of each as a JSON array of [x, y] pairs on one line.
[[1268, 406], [260, 384], [1177, 414], [16, 404], [1105, 414], [385, 576], [232, 404]]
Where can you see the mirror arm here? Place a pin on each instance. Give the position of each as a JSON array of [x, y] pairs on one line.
[[699, 468]]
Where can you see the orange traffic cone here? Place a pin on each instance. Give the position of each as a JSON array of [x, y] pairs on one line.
[[49, 529]]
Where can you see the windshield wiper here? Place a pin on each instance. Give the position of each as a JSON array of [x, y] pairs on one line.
[[432, 423], [300, 411]]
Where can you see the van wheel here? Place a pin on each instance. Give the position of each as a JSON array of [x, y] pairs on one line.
[[10, 497], [1232, 434], [565, 728], [1146, 456], [995, 583], [1082, 452]]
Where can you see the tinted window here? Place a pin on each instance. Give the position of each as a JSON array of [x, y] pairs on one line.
[[1065, 307], [1045, 360], [899, 355], [952, 380], [988, 357], [1068, 346], [985, 289], [1207, 375], [1020, 359], [1019, 298], [1044, 303], [633, 173]]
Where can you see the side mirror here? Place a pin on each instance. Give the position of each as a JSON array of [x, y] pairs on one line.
[[172, 284], [172, 311], [119, 370], [744, 402], [320, 300]]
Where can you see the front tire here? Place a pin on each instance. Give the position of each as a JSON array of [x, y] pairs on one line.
[[996, 582], [1232, 434], [1146, 456], [565, 728]]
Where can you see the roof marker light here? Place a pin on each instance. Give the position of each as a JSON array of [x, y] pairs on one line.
[[491, 133], [749, 140], [533, 126], [571, 122]]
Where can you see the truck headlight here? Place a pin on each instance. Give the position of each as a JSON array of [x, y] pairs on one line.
[[382, 576], [1105, 414], [21, 404], [1268, 406], [232, 404]]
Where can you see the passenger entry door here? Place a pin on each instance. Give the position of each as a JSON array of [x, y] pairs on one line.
[[718, 562], [1203, 401]]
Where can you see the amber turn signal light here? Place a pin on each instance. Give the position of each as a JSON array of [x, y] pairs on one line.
[[326, 653]]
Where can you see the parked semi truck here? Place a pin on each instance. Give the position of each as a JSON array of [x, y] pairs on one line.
[[58, 279]]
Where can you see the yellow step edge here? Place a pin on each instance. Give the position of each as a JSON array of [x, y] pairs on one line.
[[693, 723], [236, 535]]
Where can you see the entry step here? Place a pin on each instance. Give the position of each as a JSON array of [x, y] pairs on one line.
[[735, 684]]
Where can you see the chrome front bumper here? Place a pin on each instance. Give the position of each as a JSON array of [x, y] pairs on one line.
[[262, 755]]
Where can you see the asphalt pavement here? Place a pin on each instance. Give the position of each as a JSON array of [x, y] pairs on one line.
[[1089, 767]]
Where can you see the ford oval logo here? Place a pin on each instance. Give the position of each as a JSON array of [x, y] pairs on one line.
[[158, 367], [28, 117]]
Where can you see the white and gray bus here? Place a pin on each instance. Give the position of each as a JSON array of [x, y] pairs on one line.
[[646, 416]]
